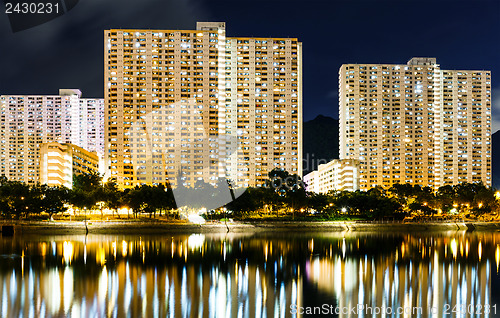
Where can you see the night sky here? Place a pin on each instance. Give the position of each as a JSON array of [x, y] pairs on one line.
[[68, 52]]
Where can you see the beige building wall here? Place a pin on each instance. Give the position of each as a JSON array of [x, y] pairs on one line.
[[59, 162], [336, 175], [90, 125], [201, 105], [466, 127], [312, 182], [404, 122]]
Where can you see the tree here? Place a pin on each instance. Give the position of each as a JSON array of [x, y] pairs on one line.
[[289, 189], [318, 201], [296, 195], [87, 190], [112, 196], [445, 197], [244, 203], [372, 204], [426, 197], [168, 199], [53, 199], [484, 201], [133, 199], [15, 197]]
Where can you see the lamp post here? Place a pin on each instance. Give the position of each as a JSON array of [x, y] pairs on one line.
[[22, 199], [231, 191], [86, 228]]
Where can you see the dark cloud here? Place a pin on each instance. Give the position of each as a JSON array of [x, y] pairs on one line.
[[68, 51]]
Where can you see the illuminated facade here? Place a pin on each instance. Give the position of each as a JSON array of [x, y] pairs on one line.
[[27, 121], [202, 105], [416, 123], [336, 175], [88, 120], [59, 162]]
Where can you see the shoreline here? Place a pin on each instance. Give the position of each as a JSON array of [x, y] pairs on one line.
[[163, 227]]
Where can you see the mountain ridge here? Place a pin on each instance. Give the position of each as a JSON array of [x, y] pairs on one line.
[[320, 142]]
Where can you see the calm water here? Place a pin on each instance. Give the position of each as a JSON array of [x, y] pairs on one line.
[[425, 275]]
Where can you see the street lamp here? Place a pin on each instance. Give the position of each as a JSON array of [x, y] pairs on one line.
[[86, 228]]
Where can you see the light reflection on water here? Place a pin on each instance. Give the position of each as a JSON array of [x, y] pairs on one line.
[[246, 275]]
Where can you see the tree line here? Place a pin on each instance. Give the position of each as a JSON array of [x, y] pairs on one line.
[[282, 195]]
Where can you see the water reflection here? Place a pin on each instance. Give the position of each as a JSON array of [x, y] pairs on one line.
[[418, 281], [182, 276], [246, 275]]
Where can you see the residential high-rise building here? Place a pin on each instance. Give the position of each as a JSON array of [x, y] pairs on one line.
[[416, 123], [60, 162], [88, 120], [27, 121], [199, 105]]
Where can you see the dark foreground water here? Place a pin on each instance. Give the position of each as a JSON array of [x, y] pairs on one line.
[[451, 274]]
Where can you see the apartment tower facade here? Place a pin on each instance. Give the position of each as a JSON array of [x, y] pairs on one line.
[[416, 123], [27, 121], [194, 105]]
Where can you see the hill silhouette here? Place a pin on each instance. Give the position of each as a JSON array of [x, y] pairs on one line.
[[320, 142]]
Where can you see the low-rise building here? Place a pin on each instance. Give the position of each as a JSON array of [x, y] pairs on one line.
[[338, 175], [59, 162]]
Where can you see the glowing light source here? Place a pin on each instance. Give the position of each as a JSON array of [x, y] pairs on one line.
[[196, 241], [497, 256], [343, 247], [68, 252], [194, 218], [124, 248], [453, 246]]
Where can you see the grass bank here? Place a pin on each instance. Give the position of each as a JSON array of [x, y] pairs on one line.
[[178, 226]]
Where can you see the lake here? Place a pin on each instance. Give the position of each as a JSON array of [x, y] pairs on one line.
[[341, 274]]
